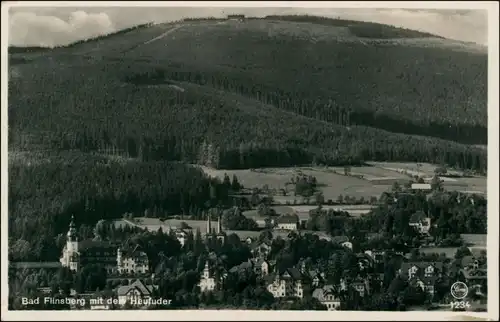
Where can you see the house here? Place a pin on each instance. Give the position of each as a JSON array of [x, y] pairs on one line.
[[249, 240], [360, 285], [77, 254], [181, 236], [423, 274], [135, 293], [262, 267], [421, 187], [262, 249], [376, 278], [470, 262], [287, 222], [133, 261], [365, 262], [376, 255], [347, 244], [290, 283], [420, 222], [317, 278], [327, 296]]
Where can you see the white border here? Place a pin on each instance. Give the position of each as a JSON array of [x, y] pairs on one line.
[[229, 315]]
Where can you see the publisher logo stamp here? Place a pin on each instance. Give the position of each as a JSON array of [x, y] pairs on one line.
[[459, 290]]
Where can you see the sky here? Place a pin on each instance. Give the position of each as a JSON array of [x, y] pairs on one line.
[[53, 26]]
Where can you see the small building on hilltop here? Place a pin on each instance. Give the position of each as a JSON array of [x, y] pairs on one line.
[[236, 17]]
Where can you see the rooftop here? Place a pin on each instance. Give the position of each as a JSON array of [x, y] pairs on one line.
[[418, 217], [139, 285], [287, 219]]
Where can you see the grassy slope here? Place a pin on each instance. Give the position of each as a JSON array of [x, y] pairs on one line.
[[90, 75]]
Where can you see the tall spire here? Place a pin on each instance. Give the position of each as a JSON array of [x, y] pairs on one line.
[[219, 224], [72, 229], [209, 225]]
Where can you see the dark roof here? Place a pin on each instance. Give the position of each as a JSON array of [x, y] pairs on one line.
[[417, 217], [295, 273], [322, 292], [91, 244], [242, 266], [340, 239], [135, 252], [268, 279], [287, 219]]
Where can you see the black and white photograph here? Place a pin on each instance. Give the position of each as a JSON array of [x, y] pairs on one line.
[[225, 158]]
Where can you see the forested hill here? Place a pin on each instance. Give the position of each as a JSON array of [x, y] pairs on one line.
[[257, 92]]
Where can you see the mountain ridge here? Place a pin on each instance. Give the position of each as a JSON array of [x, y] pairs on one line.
[[187, 55]]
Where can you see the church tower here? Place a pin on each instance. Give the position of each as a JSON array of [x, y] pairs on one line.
[[219, 225], [72, 238], [206, 271], [70, 256], [209, 224]]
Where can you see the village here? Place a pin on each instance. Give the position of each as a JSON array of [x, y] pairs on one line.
[[424, 268]]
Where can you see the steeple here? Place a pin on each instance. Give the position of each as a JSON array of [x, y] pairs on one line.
[[206, 270], [72, 230], [219, 225], [209, 224]]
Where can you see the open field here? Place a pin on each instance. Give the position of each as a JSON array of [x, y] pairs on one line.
[[373, 173], [474, 184], [379, 178], [332, 185]]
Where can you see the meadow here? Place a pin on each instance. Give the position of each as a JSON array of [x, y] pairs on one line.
[[377, 179], [332, 185]]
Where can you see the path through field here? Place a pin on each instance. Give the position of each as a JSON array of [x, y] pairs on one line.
[[152, 40], [161, 36]]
